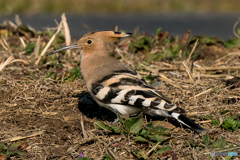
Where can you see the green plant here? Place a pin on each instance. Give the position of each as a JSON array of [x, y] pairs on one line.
[[232, 43], [30, 48], [144, 43], [75, 73], [133, 128], [107, 157], [13, 149], [231, 123], [220, 143]]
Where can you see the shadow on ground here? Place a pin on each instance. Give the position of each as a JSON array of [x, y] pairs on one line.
[[91, 109]]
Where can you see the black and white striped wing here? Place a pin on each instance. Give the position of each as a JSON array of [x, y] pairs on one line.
[[128, 94]]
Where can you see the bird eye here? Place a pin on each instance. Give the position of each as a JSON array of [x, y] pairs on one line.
[[89, 41]]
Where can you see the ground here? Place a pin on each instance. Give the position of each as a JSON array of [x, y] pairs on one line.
[[48, 111]]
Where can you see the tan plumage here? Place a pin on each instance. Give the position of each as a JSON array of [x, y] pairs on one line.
[[117, 87]]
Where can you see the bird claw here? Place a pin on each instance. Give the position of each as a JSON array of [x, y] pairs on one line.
[[115, 121]]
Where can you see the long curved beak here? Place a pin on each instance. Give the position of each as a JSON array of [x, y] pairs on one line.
[[72, 46]]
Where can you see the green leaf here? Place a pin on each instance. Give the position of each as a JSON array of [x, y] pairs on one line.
[[164, 149], [223, 112], [140, 139], [228, 157], [134, 125], [23, 153], [3, 146], [76, 71], [215, 122], [137, 126], [231, 123], [149, 77], [30, 48], [14, 146], [232, 43], [24, 28], [120, 119], [139, 154], [9, 153], [149, 125], [142, 43], [116, 129], [158, 31], [102, 126], [238, 31], [159, 131], [107, 157], [206, 140], [220, 143], [144, 133], [157, 138]]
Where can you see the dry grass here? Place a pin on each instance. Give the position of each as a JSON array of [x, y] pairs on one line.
[[55, 117]]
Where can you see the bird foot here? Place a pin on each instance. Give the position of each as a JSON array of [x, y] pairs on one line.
[[115, 121]]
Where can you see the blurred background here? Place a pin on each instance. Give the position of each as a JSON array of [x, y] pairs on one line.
[[205, 17], [118, 6]]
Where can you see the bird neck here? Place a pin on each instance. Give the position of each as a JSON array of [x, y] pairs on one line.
[[96, 66]]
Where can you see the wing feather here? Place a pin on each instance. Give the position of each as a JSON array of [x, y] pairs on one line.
[[127, 88]]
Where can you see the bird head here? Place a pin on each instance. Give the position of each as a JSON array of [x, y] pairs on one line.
[[91, 42]]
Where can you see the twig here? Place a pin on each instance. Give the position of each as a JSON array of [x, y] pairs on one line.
[[197, 113], [6, 44], [229, 54], [23, 137], [188, 71], [223, 150], [220, 119], [36, 50], [83, 130], [49, 43], [180, 54], [162, 77], [204, 92], [207, 121], [153, 148], [234, 28], [193, 49], [215, 76], [22, 41], [3, 45], [110, 152], [115, 28], [9, 61], [87, 140], [66, 32], [18, 20], [12, 24], [194, 155], [198, 66]]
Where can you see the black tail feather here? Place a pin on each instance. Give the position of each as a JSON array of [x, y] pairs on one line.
[[188, 122]]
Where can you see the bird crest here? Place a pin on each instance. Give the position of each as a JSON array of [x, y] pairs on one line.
[[106, 40]]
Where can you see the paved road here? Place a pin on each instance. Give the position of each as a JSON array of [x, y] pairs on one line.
[[177, 24]]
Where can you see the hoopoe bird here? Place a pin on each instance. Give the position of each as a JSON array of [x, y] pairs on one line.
[[118, 88]]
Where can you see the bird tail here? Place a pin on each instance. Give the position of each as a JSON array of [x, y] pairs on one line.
[[187, 122]]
